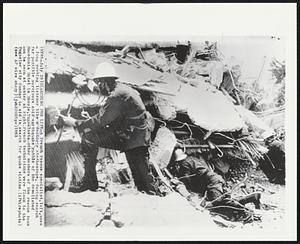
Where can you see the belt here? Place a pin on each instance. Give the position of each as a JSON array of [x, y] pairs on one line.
[[138, 116]]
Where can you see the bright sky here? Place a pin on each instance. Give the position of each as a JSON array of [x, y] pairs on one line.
[[249, 51]]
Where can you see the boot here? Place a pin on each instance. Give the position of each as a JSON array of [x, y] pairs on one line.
[[253, 197], [89, 180], [88, 184]]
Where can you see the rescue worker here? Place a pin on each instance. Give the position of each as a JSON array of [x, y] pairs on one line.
[[273, 163], [196, 175], [183, 49], [121, 124]]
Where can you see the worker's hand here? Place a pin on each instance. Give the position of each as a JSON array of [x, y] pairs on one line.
[[53, 114], [68, 121], [79, 80]]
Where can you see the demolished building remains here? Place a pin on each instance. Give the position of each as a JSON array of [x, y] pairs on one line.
[[193, 97]]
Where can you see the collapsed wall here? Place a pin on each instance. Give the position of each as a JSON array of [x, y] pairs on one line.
[[186, 99]]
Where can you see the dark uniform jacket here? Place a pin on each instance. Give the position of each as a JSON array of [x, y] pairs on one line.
[[122, 123], [273, 163], [277, 153], [199, 177]]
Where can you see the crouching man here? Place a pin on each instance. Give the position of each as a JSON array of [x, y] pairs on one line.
[[121, 124], [196, 175]]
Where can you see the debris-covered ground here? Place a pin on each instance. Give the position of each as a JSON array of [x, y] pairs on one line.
[[131, 208], [196, 103]]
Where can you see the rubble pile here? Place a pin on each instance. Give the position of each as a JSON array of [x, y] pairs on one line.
[[66, 208], [172, 210], [195, 107], [127, 210], [199, 79], [274, 118]]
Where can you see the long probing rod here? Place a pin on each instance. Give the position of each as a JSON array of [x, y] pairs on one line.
[[68, 114]]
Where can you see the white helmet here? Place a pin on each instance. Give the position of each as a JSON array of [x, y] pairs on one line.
[[179, 155], [105, 69], [267, 134]]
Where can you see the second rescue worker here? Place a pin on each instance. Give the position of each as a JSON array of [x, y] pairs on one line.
[[122, 124]]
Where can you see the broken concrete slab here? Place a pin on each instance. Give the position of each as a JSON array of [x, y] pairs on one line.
[[206, 113], [72, 215], [255, 123], [162, 147], [172, 210], [212, 111], [87, 198], [52, 183], [63, 60], [132, 209]]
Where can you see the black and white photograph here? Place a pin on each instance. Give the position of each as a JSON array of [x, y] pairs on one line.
[[149, 122], [177, 133]]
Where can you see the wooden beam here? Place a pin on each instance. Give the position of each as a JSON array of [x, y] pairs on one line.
[[207, 146]]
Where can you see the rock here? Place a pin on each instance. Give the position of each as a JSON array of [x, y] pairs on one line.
[[162, 147], [212, 111], [86, 198], [107, 223], [165, 108], [52, 183], [172, 210], [72, 215]]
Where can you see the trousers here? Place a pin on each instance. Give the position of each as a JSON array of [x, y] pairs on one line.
[[137, 158]]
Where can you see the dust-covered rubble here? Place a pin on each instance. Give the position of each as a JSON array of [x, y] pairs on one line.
[[130, 209]]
